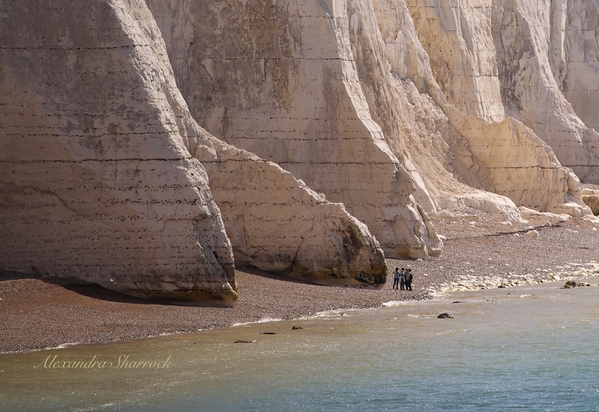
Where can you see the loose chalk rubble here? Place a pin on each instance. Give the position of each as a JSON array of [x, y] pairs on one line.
[[473, 282]]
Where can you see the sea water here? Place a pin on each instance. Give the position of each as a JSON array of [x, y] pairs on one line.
[[531, 348]]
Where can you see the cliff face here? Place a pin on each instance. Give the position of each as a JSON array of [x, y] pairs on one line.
[[529, 37], [150, 146], [488, 150], [280, 80], [95, 177], [574, 56], [509, 55], [98, 180], [279, 225]]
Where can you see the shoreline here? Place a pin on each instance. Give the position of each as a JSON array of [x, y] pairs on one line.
[[39, 314], [438, 296]]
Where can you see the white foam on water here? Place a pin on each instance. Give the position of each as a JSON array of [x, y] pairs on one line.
[[263, 320]]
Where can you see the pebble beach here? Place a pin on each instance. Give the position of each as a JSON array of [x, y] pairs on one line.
[[479, 253]]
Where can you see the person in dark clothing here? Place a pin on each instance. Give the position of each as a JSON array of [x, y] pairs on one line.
[[409, 278], [402, 279]]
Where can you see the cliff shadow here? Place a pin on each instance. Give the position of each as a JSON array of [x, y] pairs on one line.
[[283, 277], [78, 286]]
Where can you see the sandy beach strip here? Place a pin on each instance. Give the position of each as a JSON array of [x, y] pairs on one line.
[[38, 314]]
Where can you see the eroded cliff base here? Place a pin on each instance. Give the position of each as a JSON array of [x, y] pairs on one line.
[[38, 313]]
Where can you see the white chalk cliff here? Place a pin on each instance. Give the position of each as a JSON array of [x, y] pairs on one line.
[[150, 146], [491, 62], [96, 179], [279, 225], [99, 182], [280, 80]]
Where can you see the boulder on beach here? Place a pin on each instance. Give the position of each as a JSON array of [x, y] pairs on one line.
[[572, 284]]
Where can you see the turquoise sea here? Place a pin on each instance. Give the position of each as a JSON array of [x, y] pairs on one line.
[[533, 348]]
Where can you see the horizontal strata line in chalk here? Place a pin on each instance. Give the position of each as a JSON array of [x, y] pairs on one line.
[[97, 160], [296, 163], [311, 118], [527, 167], [121, 231], [268, 135], [69, 112], [125, 46], [144, 135], [178, 202], [267, 58]]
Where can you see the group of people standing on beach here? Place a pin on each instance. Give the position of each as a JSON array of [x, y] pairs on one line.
[[402, 279]]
